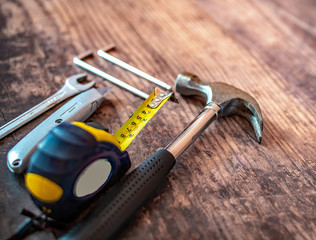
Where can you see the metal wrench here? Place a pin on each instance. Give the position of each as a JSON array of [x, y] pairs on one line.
[[79, 108], [72, 86]]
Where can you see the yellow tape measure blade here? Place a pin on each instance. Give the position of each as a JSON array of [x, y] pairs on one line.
[[140, 117]]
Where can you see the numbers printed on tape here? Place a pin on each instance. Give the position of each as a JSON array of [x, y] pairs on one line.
[[132, 128], [140, 117]]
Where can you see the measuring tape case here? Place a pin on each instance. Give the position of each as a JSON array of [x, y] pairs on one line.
[[70, 166]]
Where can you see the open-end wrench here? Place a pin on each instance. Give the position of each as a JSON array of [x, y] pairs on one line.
[[72, 86]]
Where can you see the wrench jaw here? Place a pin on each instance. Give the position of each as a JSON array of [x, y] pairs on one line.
[[81, 77], [75, 82]]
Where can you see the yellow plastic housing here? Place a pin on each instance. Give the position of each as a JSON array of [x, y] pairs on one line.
[[42, 188], [99, 135]]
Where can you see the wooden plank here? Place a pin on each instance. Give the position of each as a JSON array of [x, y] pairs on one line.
[[225, 186]]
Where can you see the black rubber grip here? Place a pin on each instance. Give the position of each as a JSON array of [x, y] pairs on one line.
[[122, 201]]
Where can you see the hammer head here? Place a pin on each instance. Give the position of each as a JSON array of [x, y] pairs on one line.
[[231, 100]]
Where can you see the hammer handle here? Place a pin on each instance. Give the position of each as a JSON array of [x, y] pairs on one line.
[[193, 130], [122, 201]]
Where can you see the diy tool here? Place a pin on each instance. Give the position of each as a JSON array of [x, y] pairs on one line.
[[72, 86], [74, 162], [79, 61], [27, 145], [127, 196], [77, 109], [103, 53], [141, 116]]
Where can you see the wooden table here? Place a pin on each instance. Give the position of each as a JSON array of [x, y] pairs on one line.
[[225, 186]]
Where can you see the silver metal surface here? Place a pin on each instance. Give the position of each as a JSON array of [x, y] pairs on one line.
[[233, 101], [79, 108], [193, 130], [159, 97], [222, 100], [110, 78], [188, 84], [132, 69], [71, 87]]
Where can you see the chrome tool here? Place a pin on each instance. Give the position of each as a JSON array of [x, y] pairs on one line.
[[78, 61], [77, 109], [72, 86], [103, 53]]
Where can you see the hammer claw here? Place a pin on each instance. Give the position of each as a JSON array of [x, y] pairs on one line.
[[222, 100]]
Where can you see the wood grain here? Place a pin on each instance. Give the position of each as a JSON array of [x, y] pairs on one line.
[[225, 186]]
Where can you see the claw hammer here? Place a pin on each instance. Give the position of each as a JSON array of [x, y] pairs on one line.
[[122, 201]]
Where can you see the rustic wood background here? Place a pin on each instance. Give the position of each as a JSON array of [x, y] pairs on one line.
[[225, 186]]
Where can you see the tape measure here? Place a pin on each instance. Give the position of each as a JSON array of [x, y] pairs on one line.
[[140, 117], [75, 161]]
